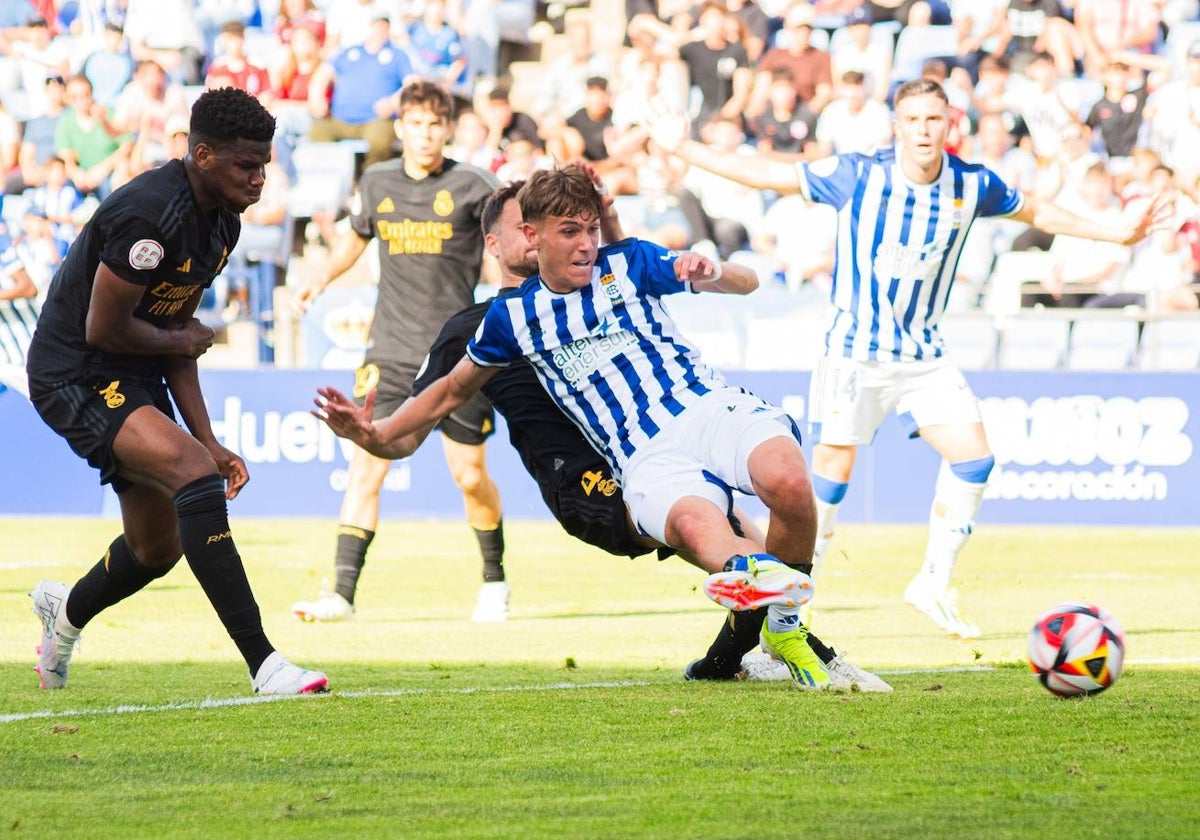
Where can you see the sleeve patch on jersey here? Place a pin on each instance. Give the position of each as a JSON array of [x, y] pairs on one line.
[[145, 254]]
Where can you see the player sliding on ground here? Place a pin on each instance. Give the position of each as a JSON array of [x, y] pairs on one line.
[[575, 482], [674, 434]]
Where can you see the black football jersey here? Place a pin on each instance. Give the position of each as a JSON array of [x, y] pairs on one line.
[[149, 232], [430, 252]]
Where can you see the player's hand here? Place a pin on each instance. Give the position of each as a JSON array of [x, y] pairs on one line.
[[1156, 215], [232, 468], [695, 267], [668, 126], [346, 418], [304, 298], [194, 337]]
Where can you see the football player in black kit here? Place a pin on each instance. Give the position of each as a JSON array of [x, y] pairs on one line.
[[424, 209], [116, 342], [575, 481]]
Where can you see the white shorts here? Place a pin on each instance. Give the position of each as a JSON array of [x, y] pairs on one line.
[[704, 452], [848, 399]]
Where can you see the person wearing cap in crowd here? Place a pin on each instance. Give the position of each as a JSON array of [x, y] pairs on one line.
[[366, 81]]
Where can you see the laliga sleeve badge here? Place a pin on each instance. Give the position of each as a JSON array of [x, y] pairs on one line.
[[145, 254]]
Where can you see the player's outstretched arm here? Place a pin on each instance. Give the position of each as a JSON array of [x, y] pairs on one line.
[[1053, 218], [669, 128], [399, 434]]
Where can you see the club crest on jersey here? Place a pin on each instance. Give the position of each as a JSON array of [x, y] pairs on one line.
[[145, 254], [386, 206], [365, 380], [612, 289], [443, 203], [956, 217]]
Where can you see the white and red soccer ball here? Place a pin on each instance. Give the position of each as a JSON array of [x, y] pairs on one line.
[[1076, 649]]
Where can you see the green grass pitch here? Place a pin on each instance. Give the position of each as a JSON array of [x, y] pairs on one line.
[[572, 720]]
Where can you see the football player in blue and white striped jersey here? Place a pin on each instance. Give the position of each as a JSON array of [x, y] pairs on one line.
[[592, 325], [903, 215]]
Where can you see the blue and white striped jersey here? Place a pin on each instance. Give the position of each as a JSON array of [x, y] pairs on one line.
[[609, 354], [897, 248]]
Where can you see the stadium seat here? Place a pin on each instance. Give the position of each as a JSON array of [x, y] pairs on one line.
[[324, 176], [1103, 343], [971, 339], [917, 44], [1012, 269], [1034, 342], [1171, 343]]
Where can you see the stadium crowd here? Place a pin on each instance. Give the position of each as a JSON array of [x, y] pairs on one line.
[[1093, 102]]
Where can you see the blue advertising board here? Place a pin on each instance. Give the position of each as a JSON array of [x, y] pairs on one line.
[[1071, 448]]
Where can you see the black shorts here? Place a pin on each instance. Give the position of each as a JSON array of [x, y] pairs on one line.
[[471, 424], [587, 502], [89, 415]]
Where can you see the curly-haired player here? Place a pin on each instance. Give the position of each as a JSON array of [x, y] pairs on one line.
[[116, 342]]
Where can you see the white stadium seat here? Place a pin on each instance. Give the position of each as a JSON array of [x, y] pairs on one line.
[[1034, 342], [1103, 343]]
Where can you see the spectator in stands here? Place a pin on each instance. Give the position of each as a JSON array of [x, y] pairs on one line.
[[1174, 113], [522, 157], [484, 24], [166, 32], [564, 81], [981, 26], [853, 122], [59, 201], [1160, 273], [992, 146], [1087, 266], [1045, 113], [504, 124], [996, 92], [10, 144], [15, 282], [469, 143], [290, 83], [366, 82], [755, 25], [1108, 27], [295, 14], [910, 12], [1117, 116], [233, 69], [717, 66], [148, 102], [668, 21], [871, 57], [110, 66], [437, 50], [213, 15], [38, 55], [37, 141], [787, 129], [721, 210], [809, 66], [1034, 26], [96, 152], [351, 23], [589, 129]]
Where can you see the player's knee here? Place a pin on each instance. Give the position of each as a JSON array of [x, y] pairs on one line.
[[472, 479], [975, 471]]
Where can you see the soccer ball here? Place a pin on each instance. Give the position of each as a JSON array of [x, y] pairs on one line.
[[1076, 649]]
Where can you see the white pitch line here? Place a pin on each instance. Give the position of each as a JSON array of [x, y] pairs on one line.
[[227, 702]]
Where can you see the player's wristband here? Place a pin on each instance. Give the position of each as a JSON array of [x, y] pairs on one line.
[[717, 272]]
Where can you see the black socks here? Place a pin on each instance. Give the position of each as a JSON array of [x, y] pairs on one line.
[[113, 579], [351, 556], [491, 546]]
